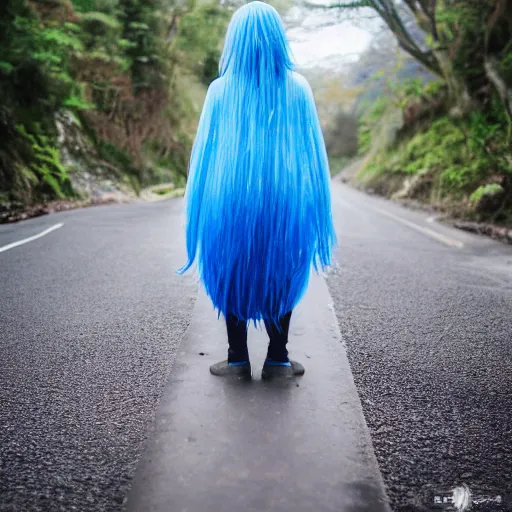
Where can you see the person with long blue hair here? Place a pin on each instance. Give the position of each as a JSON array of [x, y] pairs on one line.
[[258, 193]]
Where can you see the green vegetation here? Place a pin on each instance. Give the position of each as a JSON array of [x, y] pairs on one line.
[[112, 88], [163, 191], [456, 159], [128, 75], [338, 163], [448, 136], [491, 189]]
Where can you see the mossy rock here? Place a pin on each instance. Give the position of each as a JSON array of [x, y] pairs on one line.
[[163, 191], [418, 186], [488, 198]]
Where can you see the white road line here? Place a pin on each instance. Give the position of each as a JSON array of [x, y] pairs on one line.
[[451, 242], [446, 240], [31, 238]]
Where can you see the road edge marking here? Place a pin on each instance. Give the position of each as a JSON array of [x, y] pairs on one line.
[[31, 238], [446, 240]]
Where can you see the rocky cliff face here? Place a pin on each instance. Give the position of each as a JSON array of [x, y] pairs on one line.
[[93, 180], [91, 177]]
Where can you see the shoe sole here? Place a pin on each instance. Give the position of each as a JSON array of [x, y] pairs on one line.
[[277, 372], [223, 370], [271, 371]]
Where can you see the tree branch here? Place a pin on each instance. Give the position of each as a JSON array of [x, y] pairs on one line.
[[340, 5], [387, 10]]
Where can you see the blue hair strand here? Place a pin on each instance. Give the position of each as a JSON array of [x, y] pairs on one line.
[[258, 194]]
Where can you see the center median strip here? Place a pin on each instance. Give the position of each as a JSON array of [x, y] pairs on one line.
[[218, 445]]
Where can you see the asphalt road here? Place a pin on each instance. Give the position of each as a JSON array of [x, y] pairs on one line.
[[428, 327], [92, 314], [90, 319]]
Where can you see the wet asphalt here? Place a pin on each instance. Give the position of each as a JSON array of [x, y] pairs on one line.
[[428, 329], [92, 316]]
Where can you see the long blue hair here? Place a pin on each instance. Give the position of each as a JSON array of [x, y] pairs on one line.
[[258, 195]]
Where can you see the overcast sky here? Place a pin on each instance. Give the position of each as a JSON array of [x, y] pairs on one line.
[[314, 44]]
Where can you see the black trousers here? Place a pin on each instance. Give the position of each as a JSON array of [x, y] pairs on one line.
[[237, 339]]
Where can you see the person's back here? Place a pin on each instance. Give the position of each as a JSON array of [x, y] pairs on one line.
[[258, 199]]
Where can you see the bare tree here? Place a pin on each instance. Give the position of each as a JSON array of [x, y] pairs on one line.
[[395, 18], [413, 22]]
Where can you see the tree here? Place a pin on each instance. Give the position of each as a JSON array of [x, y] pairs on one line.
[[120, 70], [464, 42]]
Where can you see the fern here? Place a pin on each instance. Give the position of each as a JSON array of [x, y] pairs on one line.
[[6, 67], [100, 21], [52, 181], [490, 189], [77, 103]]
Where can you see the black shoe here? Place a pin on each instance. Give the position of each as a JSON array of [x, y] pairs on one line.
[[225, 369], [272, 370], [298, 369]]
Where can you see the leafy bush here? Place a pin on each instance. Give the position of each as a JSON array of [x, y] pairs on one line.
[[459, 153], [370, 121], [115, 64], [198, 42], [491, 189], [44, 169]]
